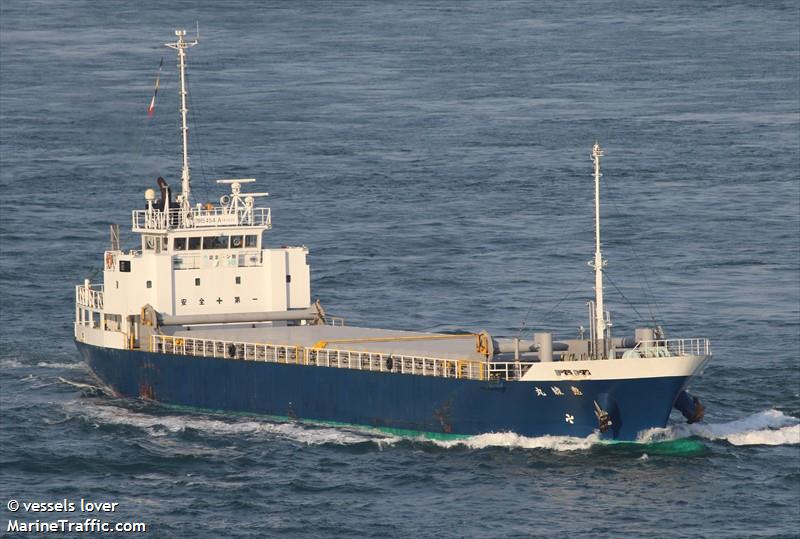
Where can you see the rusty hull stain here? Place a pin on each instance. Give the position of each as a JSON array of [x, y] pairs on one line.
[[442, 414], [148, 373], [146, 391]]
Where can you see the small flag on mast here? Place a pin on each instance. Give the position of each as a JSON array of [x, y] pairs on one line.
[[152, 108]]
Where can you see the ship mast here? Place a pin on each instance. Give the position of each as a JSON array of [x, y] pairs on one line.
[[598, 263], [181, 45]]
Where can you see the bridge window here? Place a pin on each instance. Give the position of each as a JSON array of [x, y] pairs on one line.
[[194, 243], [215, 242], [125, 266], [149, 284], [236, 241], [251, 240], [197, 281], [238, 280], [180, 244]]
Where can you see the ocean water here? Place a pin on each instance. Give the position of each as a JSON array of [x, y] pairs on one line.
[[434, 157]]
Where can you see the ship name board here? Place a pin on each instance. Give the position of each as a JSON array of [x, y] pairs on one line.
[[215, 220], [573, 372]]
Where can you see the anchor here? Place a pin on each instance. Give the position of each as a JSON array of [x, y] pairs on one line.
[[603, 419]]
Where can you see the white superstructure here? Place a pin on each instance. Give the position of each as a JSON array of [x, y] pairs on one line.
[[194, 261]]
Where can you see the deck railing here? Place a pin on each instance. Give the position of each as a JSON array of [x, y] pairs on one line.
[[672, 347], [216, 216], [394, 363], [324, 357], [91, 296]]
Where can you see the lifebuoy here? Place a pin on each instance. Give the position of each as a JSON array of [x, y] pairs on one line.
[[109, 261]]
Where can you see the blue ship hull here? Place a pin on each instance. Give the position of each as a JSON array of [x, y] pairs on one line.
[[386, 400]]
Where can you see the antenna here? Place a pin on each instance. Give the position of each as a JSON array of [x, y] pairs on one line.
[[114, 233], [181, 45]]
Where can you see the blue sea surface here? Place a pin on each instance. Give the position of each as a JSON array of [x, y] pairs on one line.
[[434, 158]]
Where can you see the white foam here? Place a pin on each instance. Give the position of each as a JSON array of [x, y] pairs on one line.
[[75, 366], [168, 424], [784, 436], [79, 385], [11, 364], [511, 440], [310, 434], [770, 427]]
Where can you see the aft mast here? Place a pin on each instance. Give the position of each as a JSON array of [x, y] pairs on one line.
[[600, 324], [181, 45]]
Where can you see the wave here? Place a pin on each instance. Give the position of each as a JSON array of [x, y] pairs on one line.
[[515, 441], [75, 366], [97, 389], [79, 385], [309, 433], [11, 363], [769, 427], [163, 425]]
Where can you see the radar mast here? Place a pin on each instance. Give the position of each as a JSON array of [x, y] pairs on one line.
[[181, 45]]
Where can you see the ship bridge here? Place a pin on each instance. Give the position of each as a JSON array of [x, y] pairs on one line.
[[206, 261]]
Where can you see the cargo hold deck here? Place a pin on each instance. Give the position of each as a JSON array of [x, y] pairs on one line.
[[383, 341]]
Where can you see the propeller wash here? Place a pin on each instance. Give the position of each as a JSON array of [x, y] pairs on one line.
[[206, 314]]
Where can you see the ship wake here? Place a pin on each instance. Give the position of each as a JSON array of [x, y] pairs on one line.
[[16, 363], [515, 441], [165, 424], [769, 427]]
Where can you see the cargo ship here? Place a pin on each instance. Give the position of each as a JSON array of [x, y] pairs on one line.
[[204, 312]]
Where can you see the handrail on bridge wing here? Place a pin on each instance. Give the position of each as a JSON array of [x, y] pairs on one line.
[[208, 217]]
